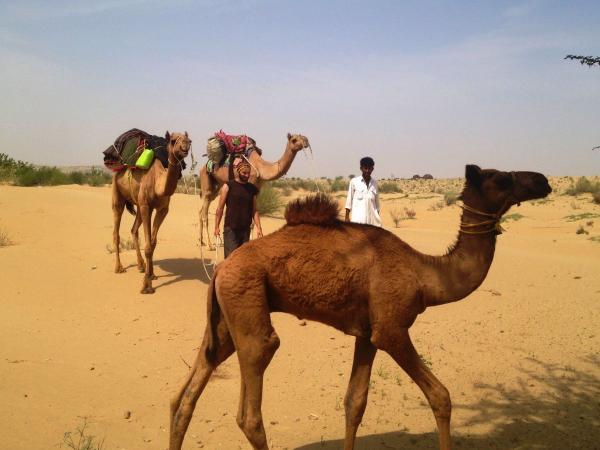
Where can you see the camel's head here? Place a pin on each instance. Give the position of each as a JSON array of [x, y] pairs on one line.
[[494, 192], [178, 144], [297, 142], [254, 146]]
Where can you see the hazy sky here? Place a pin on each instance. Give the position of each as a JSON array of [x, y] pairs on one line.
[[423, 86]]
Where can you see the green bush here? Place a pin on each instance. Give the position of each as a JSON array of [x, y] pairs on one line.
[[25, 174], [450, 197], [388, 187], [582, 186], [339, 184], [269, 200]]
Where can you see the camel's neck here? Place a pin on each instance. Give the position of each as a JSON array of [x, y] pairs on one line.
[[272, 171], [167, 180], [457, 274]]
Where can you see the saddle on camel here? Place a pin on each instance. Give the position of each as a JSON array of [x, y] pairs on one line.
[[135, 149], [224, 149]]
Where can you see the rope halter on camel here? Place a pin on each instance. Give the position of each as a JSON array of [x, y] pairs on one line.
[[467, 228]]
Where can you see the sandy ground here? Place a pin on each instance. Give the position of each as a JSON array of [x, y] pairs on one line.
[[520, 355]]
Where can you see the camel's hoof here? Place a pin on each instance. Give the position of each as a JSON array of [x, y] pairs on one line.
[[147, 290], [153, 277], [120, 270]]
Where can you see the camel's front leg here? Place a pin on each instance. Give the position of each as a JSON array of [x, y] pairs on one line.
[[135, 234], [118, 205], [254, 353], [159, 217], [358, 388], [406, 356], [146, 214]]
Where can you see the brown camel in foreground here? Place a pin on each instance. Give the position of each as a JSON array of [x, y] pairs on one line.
[[149, 190], [360, 279], [210, 183]]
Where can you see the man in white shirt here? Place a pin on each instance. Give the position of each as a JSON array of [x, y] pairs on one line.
[[363, 199]]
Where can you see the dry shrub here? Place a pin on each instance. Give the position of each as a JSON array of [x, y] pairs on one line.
[[123, 246], [397, 216], [410, 213], [5, 240]]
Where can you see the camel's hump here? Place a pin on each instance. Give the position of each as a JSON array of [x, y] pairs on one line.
[[319, 209]]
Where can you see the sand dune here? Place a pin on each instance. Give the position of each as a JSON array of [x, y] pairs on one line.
[[520, 356]]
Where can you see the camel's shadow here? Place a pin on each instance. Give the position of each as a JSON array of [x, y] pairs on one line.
[[182, 269], [565, 416]]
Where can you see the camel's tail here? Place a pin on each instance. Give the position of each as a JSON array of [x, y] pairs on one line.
[[213, 312], [130, 207]]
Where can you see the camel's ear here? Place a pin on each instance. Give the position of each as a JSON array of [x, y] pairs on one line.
[[186, 135], [167, 136], [289, 136], [473, 175]]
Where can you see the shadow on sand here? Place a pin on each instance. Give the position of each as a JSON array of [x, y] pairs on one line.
[[181, 269], [566, 415]]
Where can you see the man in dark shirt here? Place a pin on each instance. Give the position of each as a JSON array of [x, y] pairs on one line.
[[240, 198]]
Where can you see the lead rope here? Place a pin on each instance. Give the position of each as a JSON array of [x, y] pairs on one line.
[[218, 243], [311, 160], [218, 240]]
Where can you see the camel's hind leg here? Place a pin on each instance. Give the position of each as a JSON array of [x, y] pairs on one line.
[[244, 303], [358, 388], [118, 205], [404, 353], [183, 404]]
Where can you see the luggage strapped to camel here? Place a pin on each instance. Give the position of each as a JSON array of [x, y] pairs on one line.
[[222, 148], [136, 149]]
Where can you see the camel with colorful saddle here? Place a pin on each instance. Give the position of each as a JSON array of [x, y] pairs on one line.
[[147, 169], [224, 152]]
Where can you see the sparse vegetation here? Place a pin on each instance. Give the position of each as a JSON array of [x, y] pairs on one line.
[[81, 440], [396, 216], [581, 230], [387, 187], [25, 174], [123, 246], [582, 216], [383, 373], [583, 186], [450, 197], [5, 240], [339, 184], [515, 217], [410, 213], [269, 200]]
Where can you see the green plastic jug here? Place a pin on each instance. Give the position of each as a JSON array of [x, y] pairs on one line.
[[145, 159]]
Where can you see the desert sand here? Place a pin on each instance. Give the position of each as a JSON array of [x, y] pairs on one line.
[[520, 356]]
